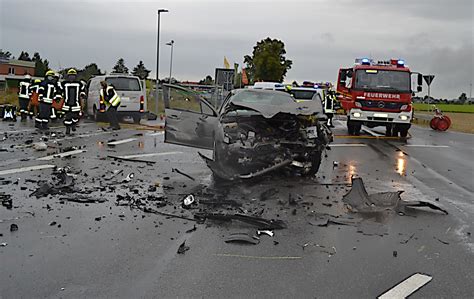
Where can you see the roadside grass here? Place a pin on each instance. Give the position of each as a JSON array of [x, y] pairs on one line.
[[445, 107], [461, 122]]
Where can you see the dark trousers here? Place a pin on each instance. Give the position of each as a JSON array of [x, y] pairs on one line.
[[70, 120], [112, 115], [330, 116], [42, 119], [23, 107]]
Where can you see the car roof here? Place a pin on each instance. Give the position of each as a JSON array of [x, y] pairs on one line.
[[114, 75]]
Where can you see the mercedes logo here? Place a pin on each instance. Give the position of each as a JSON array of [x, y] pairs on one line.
[[381, 104]]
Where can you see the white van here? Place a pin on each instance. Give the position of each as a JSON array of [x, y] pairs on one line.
[[132, 92]]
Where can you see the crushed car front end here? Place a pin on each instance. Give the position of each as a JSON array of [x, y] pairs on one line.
[[252, 140]]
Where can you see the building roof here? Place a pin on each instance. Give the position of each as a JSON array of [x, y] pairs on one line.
[[17, 62]]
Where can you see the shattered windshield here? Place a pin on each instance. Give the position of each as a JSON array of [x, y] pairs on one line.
[[381, 80]]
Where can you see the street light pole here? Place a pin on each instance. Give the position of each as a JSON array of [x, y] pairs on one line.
[[158, 59], [171, 43]]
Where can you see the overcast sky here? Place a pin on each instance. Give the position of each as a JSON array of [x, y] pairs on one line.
[[433, 36]]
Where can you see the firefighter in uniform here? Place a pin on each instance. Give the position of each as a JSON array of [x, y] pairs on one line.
[[73, 92], [47, 93], [55, 112], [111, 99], [329, 105], [23, 96], [34, 94]]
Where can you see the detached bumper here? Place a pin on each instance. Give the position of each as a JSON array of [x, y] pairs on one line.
[[381, 117]]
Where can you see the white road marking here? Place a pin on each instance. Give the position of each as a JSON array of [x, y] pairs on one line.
[[155, 134], [82, 136], [28, 168], [426, 145], [61, 155], [35, 129], [347, 144], [407, 287], [149, 155], [364, 128], [121, 141]]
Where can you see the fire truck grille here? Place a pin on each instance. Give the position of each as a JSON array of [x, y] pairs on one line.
[[382, 105]]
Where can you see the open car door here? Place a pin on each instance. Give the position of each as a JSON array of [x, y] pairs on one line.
[[190, 119]]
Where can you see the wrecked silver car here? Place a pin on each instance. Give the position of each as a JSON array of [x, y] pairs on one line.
[[252, 133]]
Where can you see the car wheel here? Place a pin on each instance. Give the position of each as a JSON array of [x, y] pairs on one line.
[[136, 119], [315, 164]]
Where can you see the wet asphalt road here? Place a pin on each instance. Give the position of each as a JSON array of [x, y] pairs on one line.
[[70, 249]]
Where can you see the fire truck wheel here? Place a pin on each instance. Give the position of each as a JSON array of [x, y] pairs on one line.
[[389, 130], [403, 133], [357, 128], [442, 124], [434, 123], [350, 127]]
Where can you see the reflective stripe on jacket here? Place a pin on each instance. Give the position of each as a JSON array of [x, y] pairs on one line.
[[111, 97], [24, 90]]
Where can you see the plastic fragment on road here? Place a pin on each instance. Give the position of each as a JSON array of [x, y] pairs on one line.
[[260, 223], [183, 248], [79, 198], [360, 201], [406, 287], [7, 201], [182, 173], [40, 146], [191, 229], [13, 227], [242, 238], [3, 244], [265, 232], [129, 177], [188, 201], [130, 160]]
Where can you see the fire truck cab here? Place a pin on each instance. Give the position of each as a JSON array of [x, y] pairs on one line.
[[377, 94]]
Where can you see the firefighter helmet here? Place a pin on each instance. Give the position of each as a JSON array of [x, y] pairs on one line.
[[27, 76], [49, 73], [72, 72], [37, 80]]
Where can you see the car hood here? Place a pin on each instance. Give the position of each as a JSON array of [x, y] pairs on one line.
[[291, 107]]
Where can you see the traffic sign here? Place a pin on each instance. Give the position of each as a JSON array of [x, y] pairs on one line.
[[428, 79]]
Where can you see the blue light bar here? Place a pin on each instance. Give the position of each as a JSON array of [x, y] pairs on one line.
[[365, 61], [400, 62]]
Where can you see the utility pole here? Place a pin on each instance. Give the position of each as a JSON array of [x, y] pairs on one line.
[[171, 43], [158, 59]]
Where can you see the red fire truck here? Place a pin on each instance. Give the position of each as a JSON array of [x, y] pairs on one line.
[[377, 94]]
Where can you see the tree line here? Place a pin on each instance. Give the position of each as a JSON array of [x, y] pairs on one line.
[[90, 70], [266, 63]]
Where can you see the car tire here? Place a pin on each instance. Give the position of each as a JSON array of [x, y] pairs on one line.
[[315, 160], [137, 119]]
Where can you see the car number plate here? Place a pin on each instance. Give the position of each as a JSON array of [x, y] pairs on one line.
[[380, 115], [312, 132], [126, 98]]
